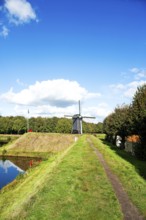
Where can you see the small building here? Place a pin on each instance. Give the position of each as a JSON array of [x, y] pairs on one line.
[[131, 142]]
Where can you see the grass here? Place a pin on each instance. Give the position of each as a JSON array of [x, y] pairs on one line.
[[70, 185], [139, 165], [42, 142], [14, 196], [125, 167], [38, 144], [7, 139], [76, 189]]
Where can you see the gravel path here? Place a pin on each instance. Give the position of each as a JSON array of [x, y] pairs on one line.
[[130, 212]]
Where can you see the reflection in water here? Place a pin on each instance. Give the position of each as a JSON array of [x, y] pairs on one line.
[[7, 164], [8, 172], [11, 167]]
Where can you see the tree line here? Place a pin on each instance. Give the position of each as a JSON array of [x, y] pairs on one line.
[[129, 120], [20, 125]]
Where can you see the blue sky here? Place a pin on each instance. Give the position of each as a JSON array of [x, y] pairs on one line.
[[53, 53]]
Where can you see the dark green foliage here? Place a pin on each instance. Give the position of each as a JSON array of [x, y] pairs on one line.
[[4, 152], [18, 125], [90, 128], [128, 120], [12, 125], [139, 111], [63, 126], [117, 122], [140, 151], [139, 120], [109, 128], [4, 140], [99, 127]]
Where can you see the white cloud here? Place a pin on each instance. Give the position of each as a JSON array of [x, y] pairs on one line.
[[53, 98], [4, 32], [129, 93], [139, 73], [60, 97], [117, 86], [46, 110], [59, 93], [19, 11], [134, 70], [127, 90], [19, 82], [16, 12], [132, 87], [99, 112]]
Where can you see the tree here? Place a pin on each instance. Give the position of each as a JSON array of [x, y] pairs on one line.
[[139, 119], [117, 124], [19, 125], [99, 127], [109, 127], [39, 124], [129, 120], [53, 124], [4, 121], [64, 125]]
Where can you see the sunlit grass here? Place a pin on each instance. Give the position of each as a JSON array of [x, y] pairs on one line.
[[38, 144], [42, 142], [132, 181], [14, 196], [77, 189]]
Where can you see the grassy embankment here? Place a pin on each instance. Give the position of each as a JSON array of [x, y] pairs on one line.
[[38, 145], [16, 194], [72, 185], [128, 169], [6, 139]]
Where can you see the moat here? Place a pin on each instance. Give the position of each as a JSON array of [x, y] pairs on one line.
[[11, 167]]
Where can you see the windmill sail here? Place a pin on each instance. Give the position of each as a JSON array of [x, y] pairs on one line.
[[79, 108], [88, 117]]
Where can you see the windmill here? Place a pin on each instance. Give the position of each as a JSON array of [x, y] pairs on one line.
[[77, 121]]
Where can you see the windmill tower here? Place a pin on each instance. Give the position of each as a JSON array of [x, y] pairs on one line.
[[77, 121]]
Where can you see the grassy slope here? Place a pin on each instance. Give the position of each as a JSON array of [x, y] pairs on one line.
[[77, 189], [15, 195], [39, 144], [134, 184], [9, 138]]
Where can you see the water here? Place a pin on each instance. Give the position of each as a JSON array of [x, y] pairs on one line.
[[11, 167]]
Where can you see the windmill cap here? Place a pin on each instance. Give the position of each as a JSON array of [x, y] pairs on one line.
[[77, 116]]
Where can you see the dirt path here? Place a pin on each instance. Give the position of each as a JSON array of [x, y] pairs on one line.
[[130, 212]]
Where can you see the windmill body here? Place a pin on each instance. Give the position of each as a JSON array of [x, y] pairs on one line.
[[77, 122]]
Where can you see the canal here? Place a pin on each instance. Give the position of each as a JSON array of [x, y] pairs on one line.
[[11, 167]]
